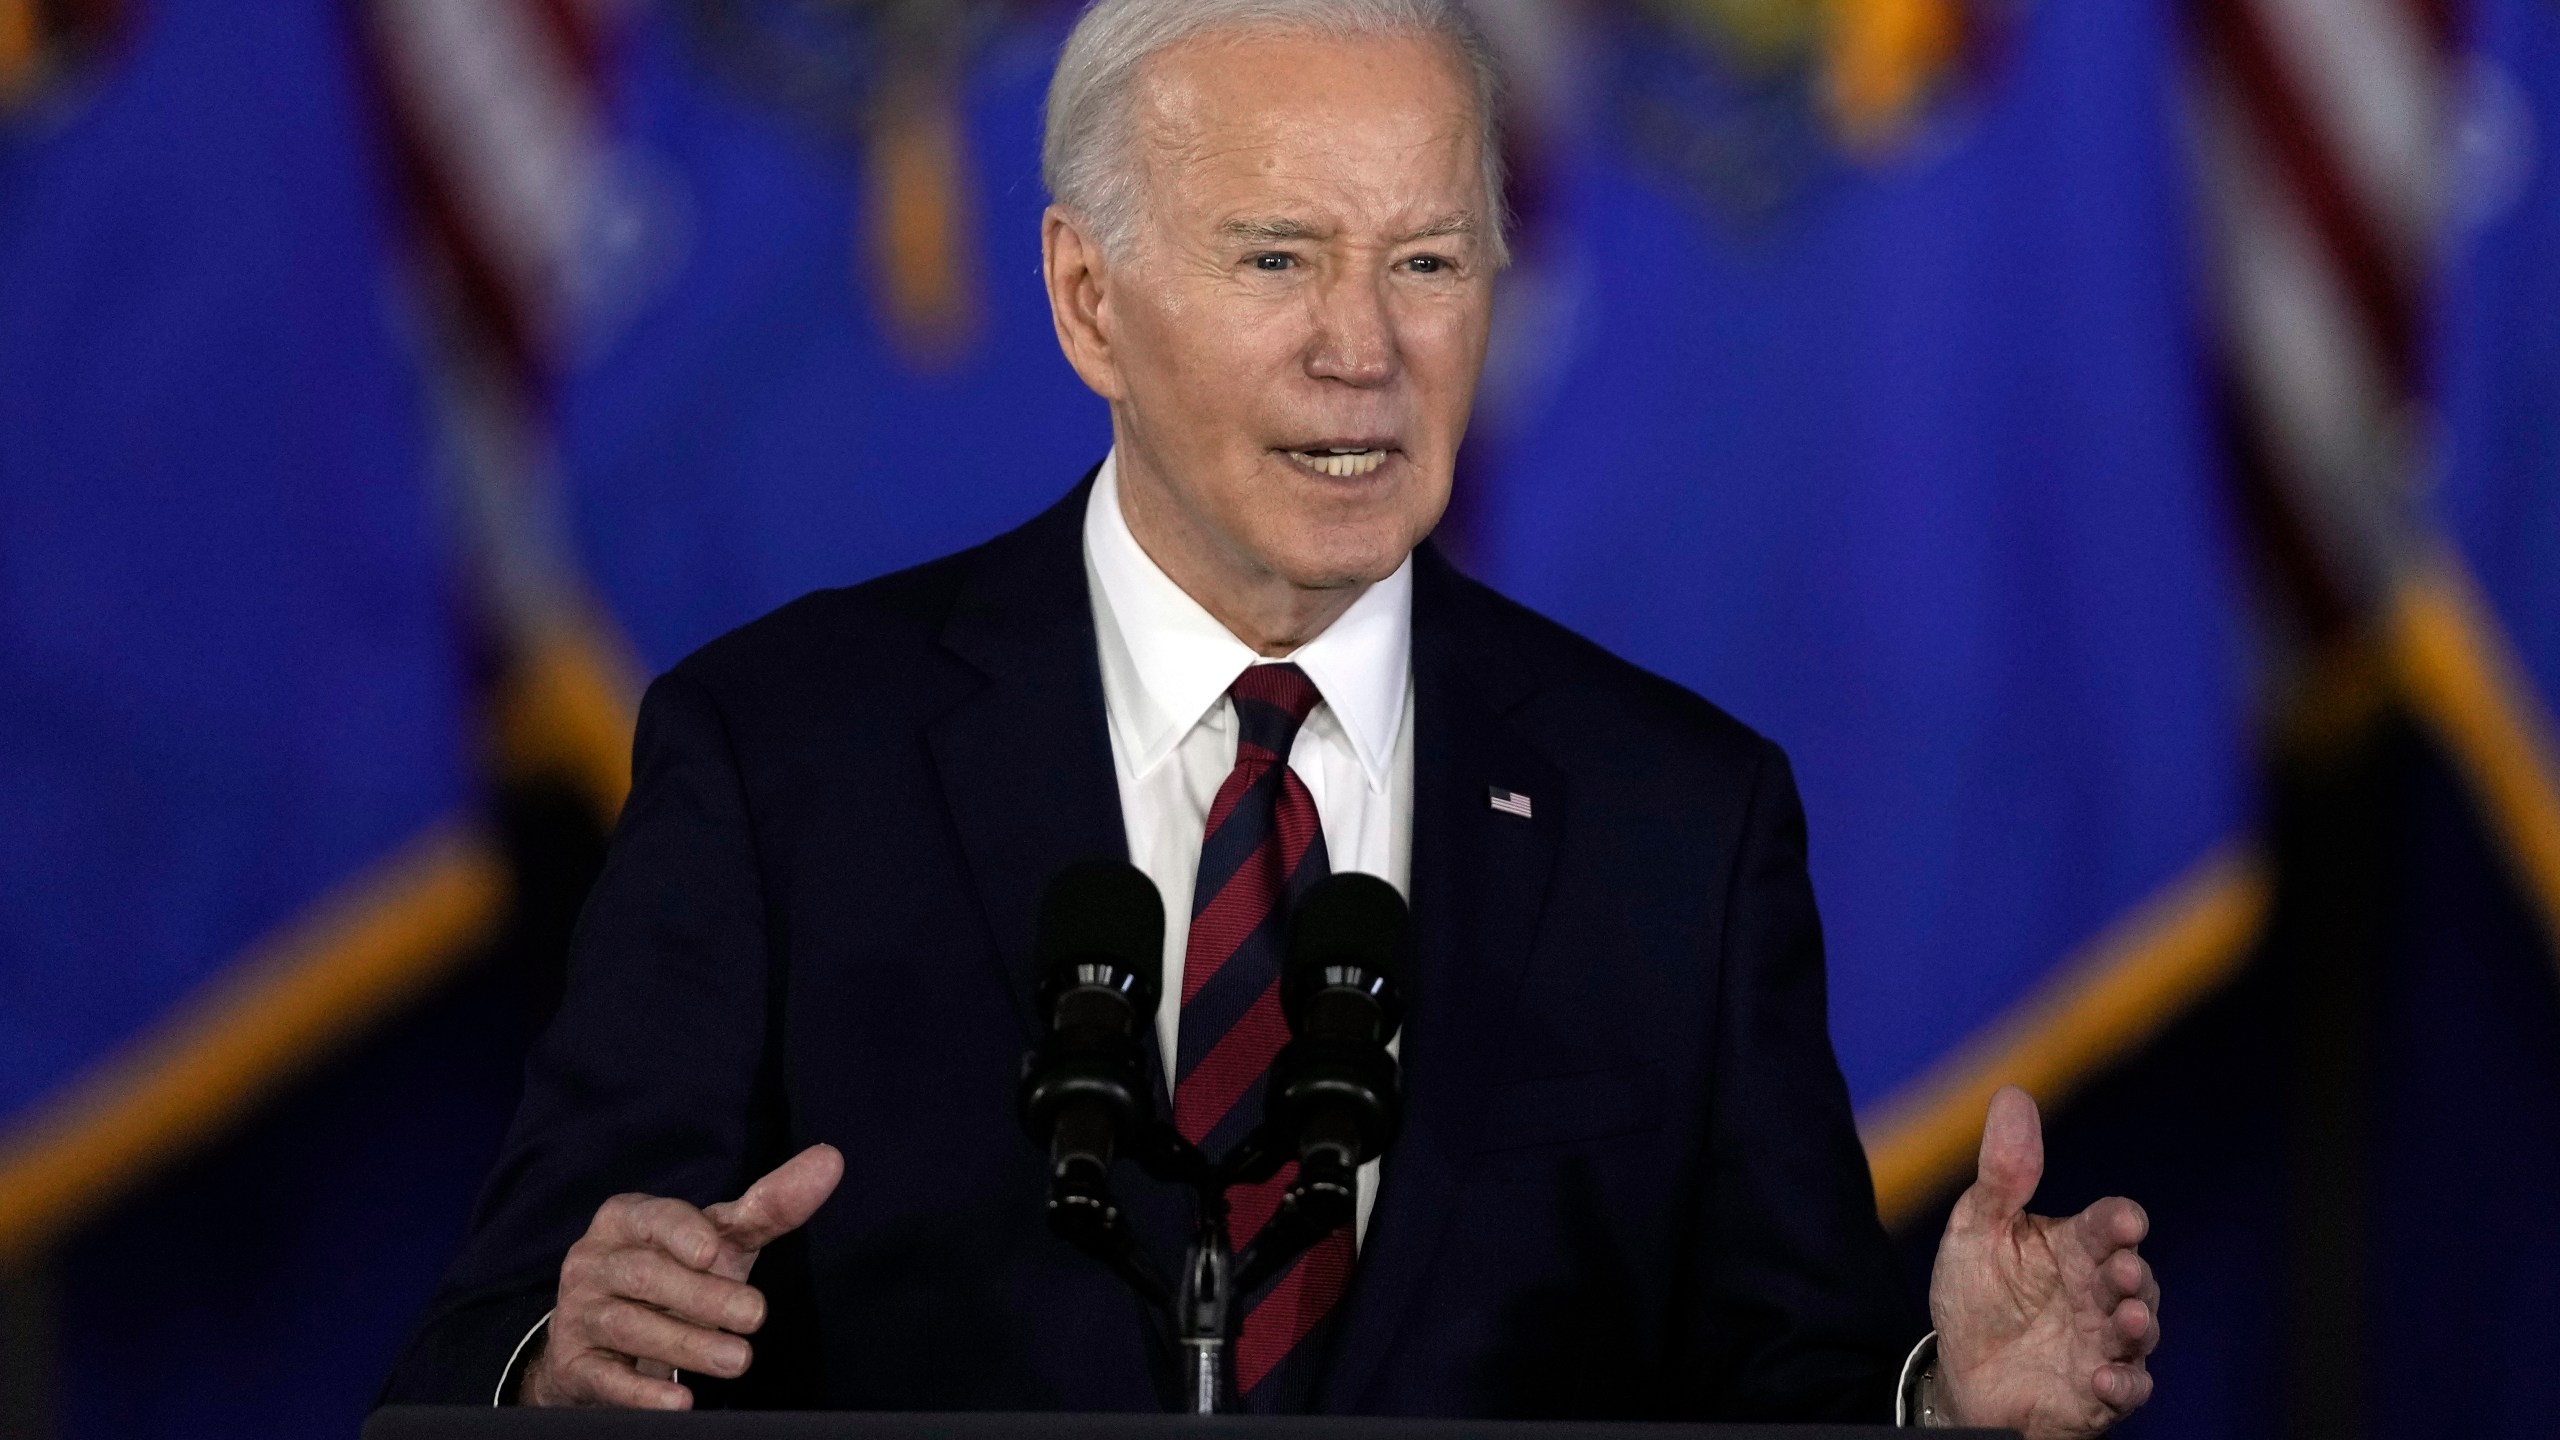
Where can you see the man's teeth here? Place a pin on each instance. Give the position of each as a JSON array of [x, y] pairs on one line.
[[1341, 464]]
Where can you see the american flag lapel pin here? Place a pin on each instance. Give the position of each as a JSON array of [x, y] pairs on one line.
[[1508, 802]]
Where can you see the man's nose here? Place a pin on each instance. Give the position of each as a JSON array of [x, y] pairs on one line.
[[1355, 339]]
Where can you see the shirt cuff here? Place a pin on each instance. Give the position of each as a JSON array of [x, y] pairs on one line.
[[1908, 1412], [510, 1377]]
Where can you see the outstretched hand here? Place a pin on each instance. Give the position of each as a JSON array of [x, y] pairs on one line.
[[2043, 1324], [657, 1286]]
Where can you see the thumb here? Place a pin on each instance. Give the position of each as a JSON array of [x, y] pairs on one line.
[[2012, 1158], [782, 1201]]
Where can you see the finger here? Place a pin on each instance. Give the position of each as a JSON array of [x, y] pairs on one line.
[[654, 1278], [2132, 1330], [2112, 1224], [2011, 1162], [2122, 1388], [2127, 1274], [2148, 1339], [2148, 1292], [594, 1378], [671, 1225], [647, 1335], [782, 1201]]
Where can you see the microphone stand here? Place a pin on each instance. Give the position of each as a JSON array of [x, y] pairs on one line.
[[1202, 1314], [1083, 1211], [1332, 1100]]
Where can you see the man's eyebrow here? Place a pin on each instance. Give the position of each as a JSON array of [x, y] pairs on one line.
[[1265, 228], [1455, 223], [1270, 229]]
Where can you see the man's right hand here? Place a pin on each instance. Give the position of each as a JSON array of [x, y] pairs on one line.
[[657, 1286]]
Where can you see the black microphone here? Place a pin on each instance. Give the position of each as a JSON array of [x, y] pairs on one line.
[[1342, 991], [1332, 1096], [1084, 1094]]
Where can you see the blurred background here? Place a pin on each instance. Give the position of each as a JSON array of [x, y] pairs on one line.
[[2114, 445]]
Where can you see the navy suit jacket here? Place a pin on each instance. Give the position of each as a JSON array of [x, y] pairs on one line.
[[1628, 1184]]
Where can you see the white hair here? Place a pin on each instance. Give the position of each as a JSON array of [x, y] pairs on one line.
[[1088, 154]]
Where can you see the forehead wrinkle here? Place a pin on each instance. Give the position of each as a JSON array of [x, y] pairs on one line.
[[1407, 134], [1358, 184], [1306, 180]]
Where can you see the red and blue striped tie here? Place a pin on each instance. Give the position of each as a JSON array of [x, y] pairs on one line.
[[1263, 847]]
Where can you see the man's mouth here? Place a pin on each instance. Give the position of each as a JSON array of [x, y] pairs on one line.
[[1342, 462]]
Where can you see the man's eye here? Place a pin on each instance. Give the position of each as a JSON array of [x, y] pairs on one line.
[[1274, 260], [1427, 264]]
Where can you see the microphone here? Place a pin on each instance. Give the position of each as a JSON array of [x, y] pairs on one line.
[[1334, 1087], [1084, 1094]]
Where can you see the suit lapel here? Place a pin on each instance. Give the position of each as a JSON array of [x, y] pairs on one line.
[[1480, 879], [1025, 764], [1025, 761]]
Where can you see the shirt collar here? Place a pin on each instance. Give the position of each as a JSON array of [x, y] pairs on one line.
[[1167, 661]]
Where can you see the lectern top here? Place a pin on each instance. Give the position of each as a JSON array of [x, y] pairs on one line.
[[434, 1422]]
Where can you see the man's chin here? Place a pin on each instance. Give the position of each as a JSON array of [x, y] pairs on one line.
[[1332, 541], [1345, 568]]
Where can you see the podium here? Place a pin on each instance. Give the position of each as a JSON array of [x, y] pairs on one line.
[[461, 1422]]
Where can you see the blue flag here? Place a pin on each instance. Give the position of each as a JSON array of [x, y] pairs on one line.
[[1898, 451], [229, 683]]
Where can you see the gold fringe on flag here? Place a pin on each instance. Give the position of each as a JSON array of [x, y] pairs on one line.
[[2461, 676], [353, 958], [2121, 989]]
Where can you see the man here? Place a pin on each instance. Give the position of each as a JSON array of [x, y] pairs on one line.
[[1629, 1183]]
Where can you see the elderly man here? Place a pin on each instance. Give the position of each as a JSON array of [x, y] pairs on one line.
[[777, 1100]]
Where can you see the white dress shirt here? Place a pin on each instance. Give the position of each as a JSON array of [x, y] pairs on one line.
[[1166, 666]]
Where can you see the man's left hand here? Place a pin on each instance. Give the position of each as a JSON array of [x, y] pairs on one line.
[[2043, 1324]]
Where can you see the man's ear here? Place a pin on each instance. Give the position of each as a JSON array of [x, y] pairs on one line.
[[1073, 267]]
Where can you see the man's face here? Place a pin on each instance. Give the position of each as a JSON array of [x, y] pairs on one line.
[[1297, 331]]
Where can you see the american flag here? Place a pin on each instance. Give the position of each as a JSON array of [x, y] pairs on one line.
[[493, 113], [1508, 802], [2324, 131], [2320, 133]]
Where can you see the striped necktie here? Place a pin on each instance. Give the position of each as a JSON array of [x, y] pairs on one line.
[[1263, 847]]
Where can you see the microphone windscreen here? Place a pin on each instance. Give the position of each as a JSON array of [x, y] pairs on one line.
[[1354, 918], [1104, 910]]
